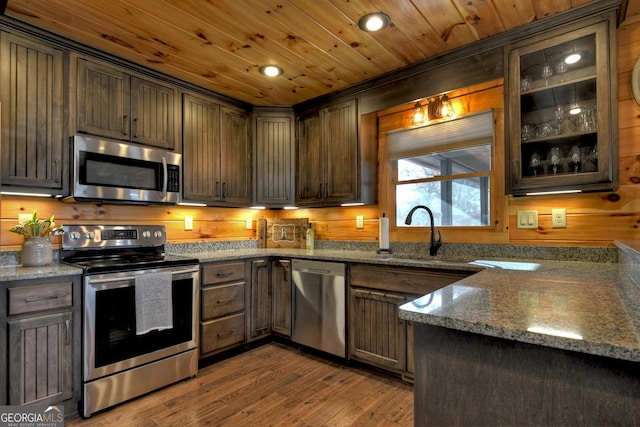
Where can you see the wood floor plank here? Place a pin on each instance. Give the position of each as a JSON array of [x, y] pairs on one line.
[[271, 385]]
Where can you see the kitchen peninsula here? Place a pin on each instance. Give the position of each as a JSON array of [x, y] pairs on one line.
[[530, 343]]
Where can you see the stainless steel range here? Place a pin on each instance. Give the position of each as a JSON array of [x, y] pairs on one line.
[[140, 310]]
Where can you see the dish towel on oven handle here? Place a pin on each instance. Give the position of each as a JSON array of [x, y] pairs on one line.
[[154, 304]]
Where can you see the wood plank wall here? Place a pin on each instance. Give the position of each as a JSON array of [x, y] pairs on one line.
[[592, 219]]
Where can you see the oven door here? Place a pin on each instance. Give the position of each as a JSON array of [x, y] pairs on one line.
[[110, 343]]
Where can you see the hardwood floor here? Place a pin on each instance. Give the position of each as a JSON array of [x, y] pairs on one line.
[[271, 385]]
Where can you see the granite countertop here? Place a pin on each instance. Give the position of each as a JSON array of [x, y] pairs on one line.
[[586, 307], [589, 307], [18, 272], [369, 257]]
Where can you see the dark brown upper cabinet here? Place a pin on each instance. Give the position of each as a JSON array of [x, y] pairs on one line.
[[32, 97], [216, 152], [274, 155], [114, 103], [562, 110], [334, 165]]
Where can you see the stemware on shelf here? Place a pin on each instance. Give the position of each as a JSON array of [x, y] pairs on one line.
[[547, 72], [554, 159], [535, 164], [561, 68], [575, 159]]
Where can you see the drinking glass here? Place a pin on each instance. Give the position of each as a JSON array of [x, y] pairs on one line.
[[561, 68], [554, 159], [547, 72], [575, 158], [535, 164], [527, 132], [525, 83]]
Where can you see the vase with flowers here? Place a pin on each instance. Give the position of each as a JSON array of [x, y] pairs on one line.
[[37, 249]]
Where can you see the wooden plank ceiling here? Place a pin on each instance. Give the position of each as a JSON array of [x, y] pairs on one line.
[[221, 44]]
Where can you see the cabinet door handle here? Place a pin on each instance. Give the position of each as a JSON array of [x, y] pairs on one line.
[[224, 301], [224, 190], [56, 176], [67, 332], [135, 127], [217, 189], [35, 299], [229, 332], [319, 194], [125, 124]]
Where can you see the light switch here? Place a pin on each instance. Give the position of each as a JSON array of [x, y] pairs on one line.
[[248, 223], [359, 221], [558, 218], [527, 219]]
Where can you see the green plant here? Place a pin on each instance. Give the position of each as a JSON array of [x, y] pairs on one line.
[[35, 227]]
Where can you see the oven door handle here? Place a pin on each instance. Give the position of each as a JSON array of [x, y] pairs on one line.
[[127, 277]]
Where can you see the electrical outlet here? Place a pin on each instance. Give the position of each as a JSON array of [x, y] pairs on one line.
[[22, 218], [188, 223], [527, 219], [359, 221], [558, 218], [248, 223]]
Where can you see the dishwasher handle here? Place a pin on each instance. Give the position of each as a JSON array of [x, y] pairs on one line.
[[322, 268]]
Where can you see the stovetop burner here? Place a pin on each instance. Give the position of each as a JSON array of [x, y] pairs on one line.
[[114, 248]]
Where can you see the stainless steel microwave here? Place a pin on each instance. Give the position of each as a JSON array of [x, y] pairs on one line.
[[119, 172]]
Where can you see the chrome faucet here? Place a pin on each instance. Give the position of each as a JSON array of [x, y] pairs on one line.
[[434, 246]]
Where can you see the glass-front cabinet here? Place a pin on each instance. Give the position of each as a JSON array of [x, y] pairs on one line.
[[562, 121]]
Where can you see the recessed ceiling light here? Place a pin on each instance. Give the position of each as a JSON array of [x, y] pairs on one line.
[[372, 22], [271, 70]]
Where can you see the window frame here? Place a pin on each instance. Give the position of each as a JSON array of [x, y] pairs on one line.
[[389, 175]]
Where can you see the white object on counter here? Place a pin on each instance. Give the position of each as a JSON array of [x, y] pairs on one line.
[[384, 232]]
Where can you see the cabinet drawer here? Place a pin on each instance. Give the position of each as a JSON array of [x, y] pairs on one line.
[[222, 300], [402, 279], [220, 333], [27, 299], [221, 273]]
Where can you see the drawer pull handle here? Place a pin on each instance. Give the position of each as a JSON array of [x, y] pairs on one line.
[[224, 301], [221, 274], [35, 299], [229, 332]]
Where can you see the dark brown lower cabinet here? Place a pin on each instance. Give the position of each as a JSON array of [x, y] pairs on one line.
[[281, 287], [223, 302], [377, 335], [260, 323], [41, 327]]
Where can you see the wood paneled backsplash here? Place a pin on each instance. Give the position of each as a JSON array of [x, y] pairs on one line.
[[592, 219]]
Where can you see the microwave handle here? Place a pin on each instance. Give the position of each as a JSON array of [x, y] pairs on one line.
[[165, 177]]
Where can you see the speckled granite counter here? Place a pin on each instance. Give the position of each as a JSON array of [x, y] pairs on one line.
[[584, 307], [18, 272]]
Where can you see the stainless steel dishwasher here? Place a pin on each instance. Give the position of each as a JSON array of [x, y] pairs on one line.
[[319, 305]]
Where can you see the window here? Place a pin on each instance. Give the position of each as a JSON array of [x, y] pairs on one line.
[[446, 167]]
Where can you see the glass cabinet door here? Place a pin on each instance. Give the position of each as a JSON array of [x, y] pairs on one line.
[[561, 111]]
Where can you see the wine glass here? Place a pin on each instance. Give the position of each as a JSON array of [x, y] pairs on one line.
[[575, 158], [554, 158], [547, 72], [535, 164], [561, 68]]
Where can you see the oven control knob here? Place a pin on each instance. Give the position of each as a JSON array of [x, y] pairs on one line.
[[157, 234], [146, 234], [74, 235], [90, 235]]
